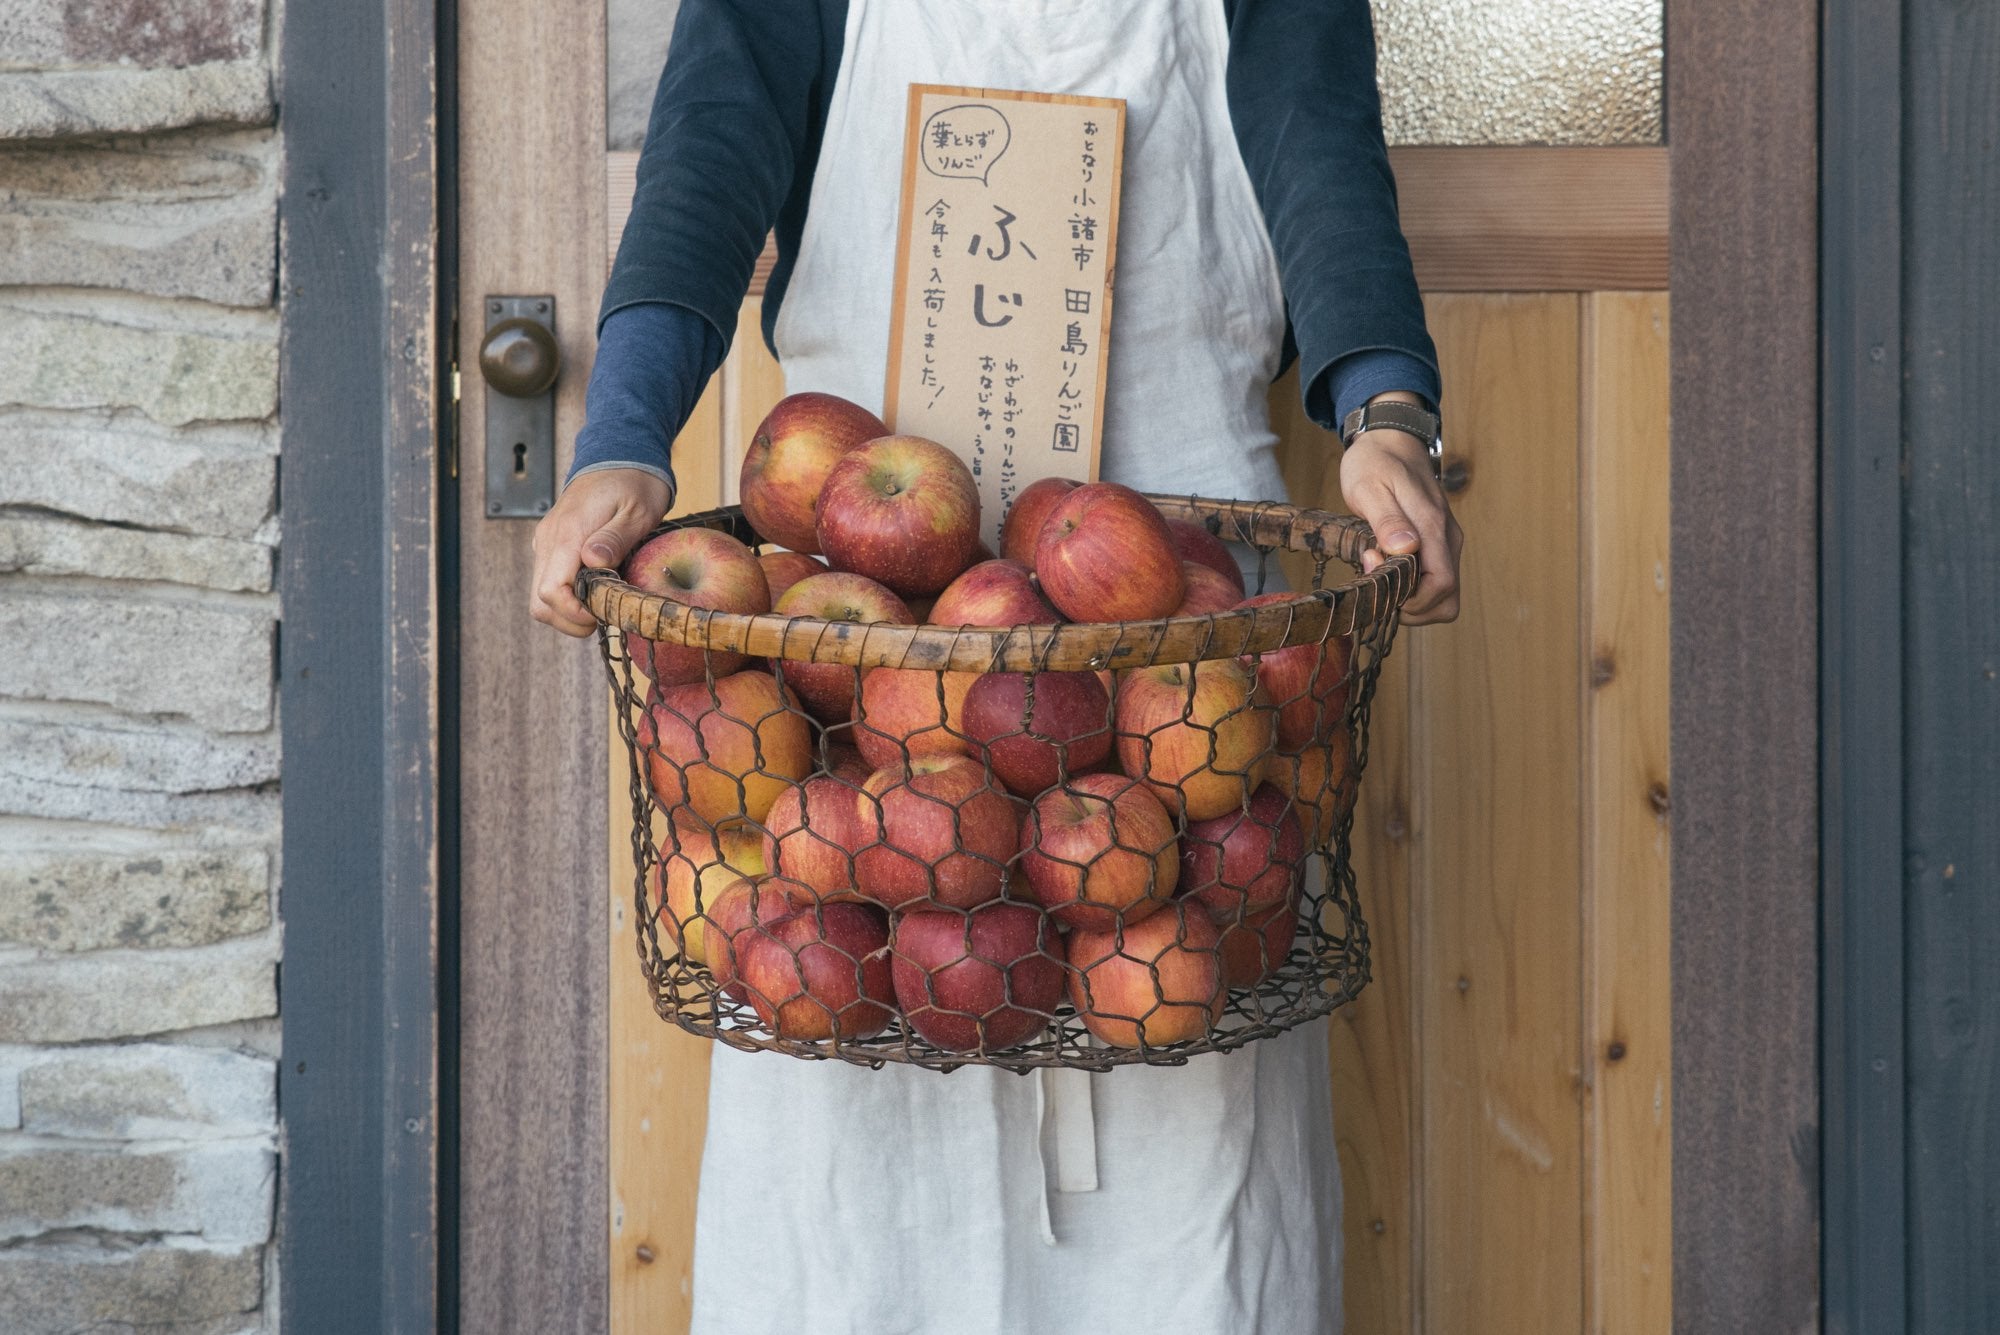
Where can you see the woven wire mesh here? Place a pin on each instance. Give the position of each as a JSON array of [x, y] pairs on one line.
[[840, 855]]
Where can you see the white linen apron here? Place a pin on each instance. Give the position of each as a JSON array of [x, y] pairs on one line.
[[1202, 1199]]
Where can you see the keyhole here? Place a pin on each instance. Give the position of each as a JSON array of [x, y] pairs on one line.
[[520, 460]]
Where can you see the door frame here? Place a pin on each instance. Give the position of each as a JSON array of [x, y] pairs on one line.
[[364, 1223], [367, 1228]]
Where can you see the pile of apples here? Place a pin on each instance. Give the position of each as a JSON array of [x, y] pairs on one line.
[[974, 850]]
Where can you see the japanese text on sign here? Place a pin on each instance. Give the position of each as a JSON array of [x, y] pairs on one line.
[[1003, 283]]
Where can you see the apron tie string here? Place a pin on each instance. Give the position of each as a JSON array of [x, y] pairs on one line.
[[1068, 1125]]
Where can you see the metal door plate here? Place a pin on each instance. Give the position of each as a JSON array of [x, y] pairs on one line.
[[520, 433]]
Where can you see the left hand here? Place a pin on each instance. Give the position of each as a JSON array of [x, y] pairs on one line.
[[1386, 479]]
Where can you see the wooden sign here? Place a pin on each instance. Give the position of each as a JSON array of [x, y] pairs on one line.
[[1004, 269]]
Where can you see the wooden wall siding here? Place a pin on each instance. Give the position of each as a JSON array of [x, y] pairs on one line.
[[1951, 656], [533, 993], [1477, 219], [1504, 1142]]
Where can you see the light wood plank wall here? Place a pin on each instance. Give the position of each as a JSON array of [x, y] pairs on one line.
[[1501, 1096]]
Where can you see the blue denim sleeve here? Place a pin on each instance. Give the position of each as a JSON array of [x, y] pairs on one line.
[[1308, 119], [1360, 376], [652, 362]]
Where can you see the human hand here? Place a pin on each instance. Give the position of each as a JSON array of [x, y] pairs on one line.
[[598, 519], [1386, 479]]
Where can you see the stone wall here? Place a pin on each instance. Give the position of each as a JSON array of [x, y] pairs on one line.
[[138, 642]]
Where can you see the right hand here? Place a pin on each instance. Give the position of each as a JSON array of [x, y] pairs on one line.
[[597, 521]]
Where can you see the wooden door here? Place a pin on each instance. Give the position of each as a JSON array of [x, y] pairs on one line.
[[1501, 1089], [1501, 1095], [532, 992]]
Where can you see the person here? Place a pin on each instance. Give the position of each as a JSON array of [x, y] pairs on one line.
[[1258, 222]]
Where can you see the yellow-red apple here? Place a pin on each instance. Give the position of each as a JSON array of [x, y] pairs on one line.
[[1317, 779], [1307, 683], [984, 980], [784, 569], [1149, 984], [1199, 733], [1253, 949], [993, 593], [794, 449], [1195, 543], [814, 829], [904, 713], [822, 972], [827, 689], [698, 862], [1104, 554], [903, 511], [944, 832], [1246, 860], [725, 750], [1065, 729], [1207, 591], [740, 905], [1098, 851], [1022, 527], [702, 567]]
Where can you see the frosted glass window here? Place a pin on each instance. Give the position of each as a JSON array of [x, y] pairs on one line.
[[1520, 71], [1452, 71]]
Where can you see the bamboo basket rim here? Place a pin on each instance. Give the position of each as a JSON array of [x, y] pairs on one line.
[[1309, 618]]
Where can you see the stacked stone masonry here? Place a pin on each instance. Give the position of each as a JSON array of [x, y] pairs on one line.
[[139, 766]]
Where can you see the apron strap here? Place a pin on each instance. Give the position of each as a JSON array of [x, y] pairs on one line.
[[1064, 1106]]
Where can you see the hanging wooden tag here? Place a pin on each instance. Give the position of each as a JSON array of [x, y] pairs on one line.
[[1004, 271]]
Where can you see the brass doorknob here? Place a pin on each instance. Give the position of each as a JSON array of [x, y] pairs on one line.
[[519, 358]]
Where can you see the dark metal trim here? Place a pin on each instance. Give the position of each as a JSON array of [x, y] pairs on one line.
[[1864, 1256], [359, 364]]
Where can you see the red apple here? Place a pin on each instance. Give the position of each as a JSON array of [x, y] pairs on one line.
[[813, 830], [822, 972], [702, 567], [1307, 683], [795, 447], [1207, 591], [1253, 949], [911, 712], [993, 593], [784, 569], [1317, 779], [1195, 543], [827, 690], [903, 511], [1244, 861], [725, 750], [978, 981], [1105, 555], [1067, 731], [1199, 733], [1098, 851], [1148, 984], [697, 863], [743, 904], [1025, 517], [943, 832]]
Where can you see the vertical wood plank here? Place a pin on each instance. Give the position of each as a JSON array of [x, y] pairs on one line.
[[1743, 128], [532, 1151], [1627, 919], [1495, 720], [1370, 1041], [659, 1074], [1375, 1082]]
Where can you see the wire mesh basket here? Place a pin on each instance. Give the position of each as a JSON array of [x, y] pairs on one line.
[[1075, 844]]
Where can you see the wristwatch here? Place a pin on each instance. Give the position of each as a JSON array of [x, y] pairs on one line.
[[1395, 415]]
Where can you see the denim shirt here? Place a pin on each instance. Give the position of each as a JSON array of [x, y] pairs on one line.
[[734, 137]]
